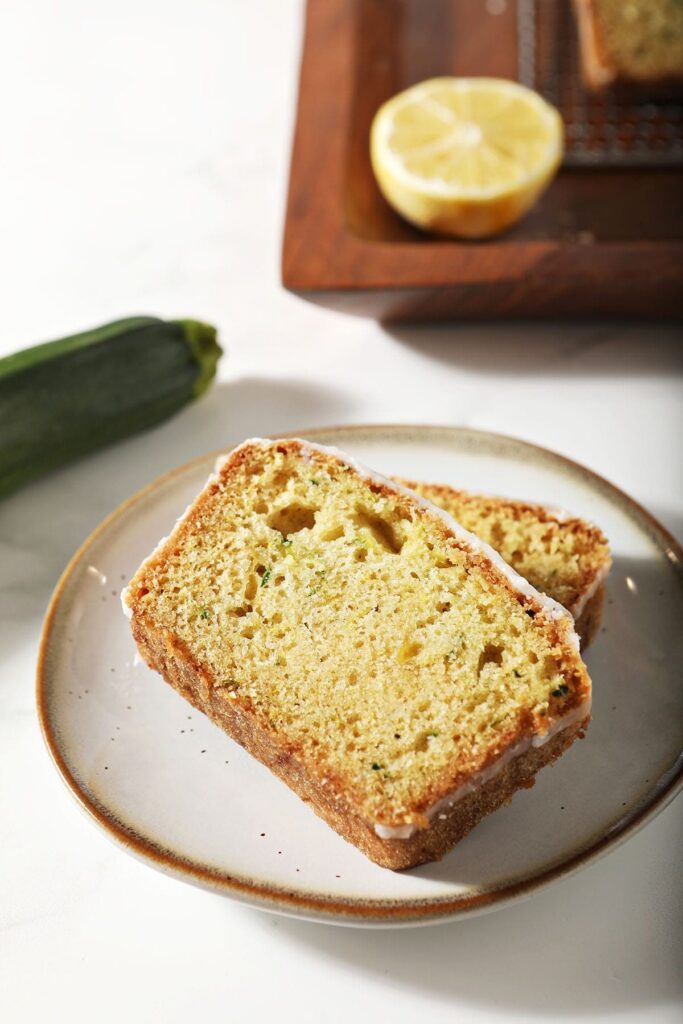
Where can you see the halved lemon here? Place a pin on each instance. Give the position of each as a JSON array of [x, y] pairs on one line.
[[465, 156]]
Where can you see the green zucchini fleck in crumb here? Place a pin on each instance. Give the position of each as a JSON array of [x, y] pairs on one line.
[[203, 612], [266, 576]]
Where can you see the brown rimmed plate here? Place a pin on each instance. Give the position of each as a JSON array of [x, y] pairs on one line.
[[168, 786]]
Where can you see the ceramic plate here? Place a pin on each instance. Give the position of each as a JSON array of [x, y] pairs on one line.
[[172, 788]]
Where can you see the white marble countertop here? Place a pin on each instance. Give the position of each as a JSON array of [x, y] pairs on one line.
[[144, 162]]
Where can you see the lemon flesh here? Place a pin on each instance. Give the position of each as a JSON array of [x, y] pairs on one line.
[[465, 156]]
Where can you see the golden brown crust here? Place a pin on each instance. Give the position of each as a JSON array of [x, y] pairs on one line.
[[595, 67], [513, 505], [166, 656]]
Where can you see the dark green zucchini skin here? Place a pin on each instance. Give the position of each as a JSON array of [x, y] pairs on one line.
[[68, 397]]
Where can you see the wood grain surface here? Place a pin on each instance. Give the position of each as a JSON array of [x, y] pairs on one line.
[[599, 243]]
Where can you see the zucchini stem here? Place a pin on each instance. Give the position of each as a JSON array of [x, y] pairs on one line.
[[204, 349]]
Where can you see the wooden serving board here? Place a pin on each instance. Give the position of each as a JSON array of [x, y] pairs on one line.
[[601, 242]]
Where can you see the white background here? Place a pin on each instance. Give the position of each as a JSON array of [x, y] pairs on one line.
[[143, 164]]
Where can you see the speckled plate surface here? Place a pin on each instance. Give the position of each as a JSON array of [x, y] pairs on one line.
[[170, 787]]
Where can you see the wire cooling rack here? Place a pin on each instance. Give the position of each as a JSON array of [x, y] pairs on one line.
[[600, 129]]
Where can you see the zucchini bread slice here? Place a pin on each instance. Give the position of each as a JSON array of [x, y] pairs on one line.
[[560, 554], [632, 43], [387, 665]]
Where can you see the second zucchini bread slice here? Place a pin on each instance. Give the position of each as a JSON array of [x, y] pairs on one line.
[[560, 554]]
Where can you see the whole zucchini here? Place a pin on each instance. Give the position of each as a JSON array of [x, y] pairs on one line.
[[67, 397]]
